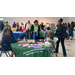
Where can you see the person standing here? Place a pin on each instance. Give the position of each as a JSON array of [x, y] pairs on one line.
[[14, 25], [61, 35], [42, 26], [17, 25], [69, 25], [22, 27], [1, 26], [36, 28], [6, 25], [28, 27], [70, 32]]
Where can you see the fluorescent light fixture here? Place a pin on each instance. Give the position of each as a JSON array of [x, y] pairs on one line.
[[1, 19]]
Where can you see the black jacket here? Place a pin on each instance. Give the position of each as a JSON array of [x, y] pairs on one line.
[[61, 32], [42, 26], [32, 29]]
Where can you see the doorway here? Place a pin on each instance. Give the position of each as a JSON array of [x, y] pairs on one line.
[[1, 25]]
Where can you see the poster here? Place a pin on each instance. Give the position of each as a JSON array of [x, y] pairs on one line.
[[9, 21]]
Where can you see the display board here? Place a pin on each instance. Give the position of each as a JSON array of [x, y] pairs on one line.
[[9, 21]]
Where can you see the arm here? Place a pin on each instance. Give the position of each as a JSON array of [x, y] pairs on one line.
[[10, 40], [58, 31]]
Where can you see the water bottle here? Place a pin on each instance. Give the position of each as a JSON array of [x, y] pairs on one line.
[[24, 39]]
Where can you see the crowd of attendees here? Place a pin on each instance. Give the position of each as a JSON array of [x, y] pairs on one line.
[[61, 31]]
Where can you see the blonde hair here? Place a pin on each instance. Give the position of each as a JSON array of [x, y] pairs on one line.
[[50, 31]]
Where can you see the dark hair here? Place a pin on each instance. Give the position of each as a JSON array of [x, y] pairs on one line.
[[35, 21], [72, 23], [65, 24], [5, 30], [71, 27], [22, 23], [6, 21], [48, 28], [61, 20], [42, 23]]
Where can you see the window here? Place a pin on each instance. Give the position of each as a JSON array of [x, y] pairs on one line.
[[1, 19]]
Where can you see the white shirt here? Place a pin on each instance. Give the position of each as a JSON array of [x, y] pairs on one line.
[[28, 26]]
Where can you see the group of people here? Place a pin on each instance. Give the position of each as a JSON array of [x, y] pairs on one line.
[[69, 30], [7, 37], [60, 33]]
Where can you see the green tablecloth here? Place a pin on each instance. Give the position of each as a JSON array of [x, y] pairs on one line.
[[21, 51]]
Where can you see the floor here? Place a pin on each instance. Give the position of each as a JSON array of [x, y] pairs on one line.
[[69, 45]]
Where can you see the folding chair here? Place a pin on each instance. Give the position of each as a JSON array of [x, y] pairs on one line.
[[55, 42], [6, 52]]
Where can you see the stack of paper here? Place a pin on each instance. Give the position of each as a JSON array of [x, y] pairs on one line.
[[37, 47], [39, 42], [23, 44]]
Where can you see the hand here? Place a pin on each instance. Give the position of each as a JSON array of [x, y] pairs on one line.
[[33, 31], [18, 39]]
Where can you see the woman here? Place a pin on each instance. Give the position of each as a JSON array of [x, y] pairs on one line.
[[63, 24], [68, 25], [14, 25], [70, 33], [22, 27], [36, 28], [18, 29], [61, 35], [7, 40], [10, 31], [17, 25]]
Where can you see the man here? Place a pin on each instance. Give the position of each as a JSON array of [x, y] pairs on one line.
[[6, 25], [51, 38], [61, 35], [50, 34], [42, 26], [28, 28], [46, 32]]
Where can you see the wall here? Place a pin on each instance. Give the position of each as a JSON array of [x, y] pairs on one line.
[[40, 19], [21, 19], [70, 19], [52, 19]]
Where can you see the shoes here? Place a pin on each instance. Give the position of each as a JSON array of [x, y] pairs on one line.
[[55, 52], [65, 55]]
